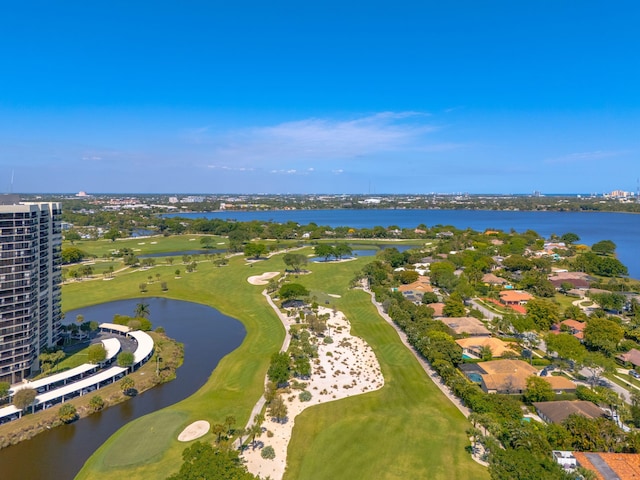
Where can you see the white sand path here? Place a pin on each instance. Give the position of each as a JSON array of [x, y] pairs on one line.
[[344, 368]]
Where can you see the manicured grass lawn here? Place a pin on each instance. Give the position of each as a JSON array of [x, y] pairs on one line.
[[405, 430], [157, 430], [234, 386], [141, 246], [408, 429]]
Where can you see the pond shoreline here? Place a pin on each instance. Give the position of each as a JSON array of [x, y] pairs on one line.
[[145, 378]]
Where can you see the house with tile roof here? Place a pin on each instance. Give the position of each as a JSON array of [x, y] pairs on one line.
[[472, 346], [466, 326], [559, 411], [574, 327], [631, 357], [510, 377], [610, 466], [514, 297], [492, 279]]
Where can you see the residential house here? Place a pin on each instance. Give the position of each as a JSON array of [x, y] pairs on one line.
[[473, 346], [466, 326], [491, 279], [510, 377], [514, 297], [438, 309], [631, 357], [574, 327], [611, 466], [559, 411], [421, 285]]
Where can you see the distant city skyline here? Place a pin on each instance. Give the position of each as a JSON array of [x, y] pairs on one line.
[[414, 97]]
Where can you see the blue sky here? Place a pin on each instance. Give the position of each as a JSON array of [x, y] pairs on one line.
[[331, 97]]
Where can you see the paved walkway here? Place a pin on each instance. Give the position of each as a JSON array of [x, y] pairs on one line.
[[259, 406]]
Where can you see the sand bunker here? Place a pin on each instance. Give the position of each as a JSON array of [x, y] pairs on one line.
[[344, 368], [262, 279], [195, 430]]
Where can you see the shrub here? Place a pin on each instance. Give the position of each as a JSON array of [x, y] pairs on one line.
[[125, 359], [305, 396], [541, 362], [268, 452], [67, 413], [96, 403], [327, 340]]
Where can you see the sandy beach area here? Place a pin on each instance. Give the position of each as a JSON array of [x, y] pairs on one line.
[[343, 368]]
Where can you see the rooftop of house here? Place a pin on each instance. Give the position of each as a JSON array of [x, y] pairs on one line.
[[493, 279], [632, 356], [611, 466], [559, 411], [469, 325], [498, 347], [575, 282], [438, 308], [421, 285], [509, 296]]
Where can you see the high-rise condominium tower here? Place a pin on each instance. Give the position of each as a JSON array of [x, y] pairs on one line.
[[30, 277]]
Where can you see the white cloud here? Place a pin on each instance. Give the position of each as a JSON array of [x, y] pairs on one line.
[[316, 139], [585, 156]]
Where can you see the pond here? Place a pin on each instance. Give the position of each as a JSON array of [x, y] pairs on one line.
[[207, 335], [367, 252]]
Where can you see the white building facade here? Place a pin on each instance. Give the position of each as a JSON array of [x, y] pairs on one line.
[[30, 278]]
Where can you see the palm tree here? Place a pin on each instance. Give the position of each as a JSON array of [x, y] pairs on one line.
[[142, 310], [229, 422], [218, 429], [255, 431]]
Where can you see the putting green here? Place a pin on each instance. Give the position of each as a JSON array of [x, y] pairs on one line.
[[152, 435]]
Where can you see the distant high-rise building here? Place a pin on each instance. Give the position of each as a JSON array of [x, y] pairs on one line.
[[30, 277]]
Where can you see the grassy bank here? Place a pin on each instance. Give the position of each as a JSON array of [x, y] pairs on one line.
[[405, 430], [145, 378]]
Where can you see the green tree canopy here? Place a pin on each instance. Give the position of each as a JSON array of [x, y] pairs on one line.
[[603, 334], [72, 255], [324, 250], [604, 247], [280, 368], [202, 461], [538, 390], [4, 390], [290, 291], [96, 353], [295, 261], [566, 346], [72, 236], [24, 397], [125, 359], [570, 238], [255, 250], [542, 313]]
